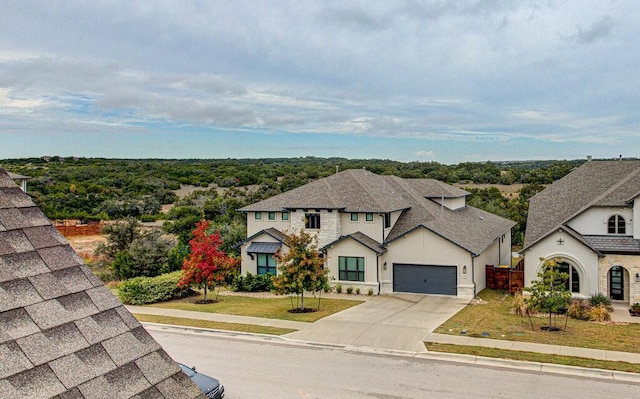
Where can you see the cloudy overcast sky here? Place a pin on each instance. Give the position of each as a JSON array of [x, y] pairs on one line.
[[445, 81]]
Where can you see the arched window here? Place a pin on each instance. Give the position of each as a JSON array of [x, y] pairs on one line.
[[573, 282], [617, 225]]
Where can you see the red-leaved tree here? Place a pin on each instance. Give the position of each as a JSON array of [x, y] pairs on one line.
[[206, 265]]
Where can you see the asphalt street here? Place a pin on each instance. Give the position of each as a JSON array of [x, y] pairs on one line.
[[254, 367]]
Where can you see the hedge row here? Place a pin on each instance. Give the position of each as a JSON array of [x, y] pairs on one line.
[[143, 290]]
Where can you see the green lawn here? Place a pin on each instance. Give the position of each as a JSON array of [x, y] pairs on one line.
[[494, 319], [272, 308], [534, 357], [216, 325]]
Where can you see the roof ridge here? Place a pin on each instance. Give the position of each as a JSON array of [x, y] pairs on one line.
[[624, 180]]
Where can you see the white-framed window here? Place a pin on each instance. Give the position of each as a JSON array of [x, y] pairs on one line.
[[368, 217], [616, 225], [258, 216], [272, 216], [354, 216], [285, 215]]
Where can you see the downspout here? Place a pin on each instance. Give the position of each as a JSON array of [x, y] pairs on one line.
[[378, 272], [473, 275]]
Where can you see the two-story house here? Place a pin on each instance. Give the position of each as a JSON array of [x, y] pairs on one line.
[[383, 233], [589, 220]]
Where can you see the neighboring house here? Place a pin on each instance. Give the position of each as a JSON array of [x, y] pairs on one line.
[[590, 220], [383, 233], [63, 334], [20, 179]]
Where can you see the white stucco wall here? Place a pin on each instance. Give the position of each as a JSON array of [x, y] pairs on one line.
[[594, 221], [254, 226], [451, 203], [372, 229], [424, 247], [350, 247], [571, 250]]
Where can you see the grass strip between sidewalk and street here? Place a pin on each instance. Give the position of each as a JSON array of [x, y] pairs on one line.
[[533, 357], [215, 325]]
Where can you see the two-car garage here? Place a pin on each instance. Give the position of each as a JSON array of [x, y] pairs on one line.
[[425, 279]]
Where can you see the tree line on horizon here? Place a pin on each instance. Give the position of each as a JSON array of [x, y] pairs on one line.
[[113, 189]]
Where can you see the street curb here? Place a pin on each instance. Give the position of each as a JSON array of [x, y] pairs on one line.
[[547, 368]]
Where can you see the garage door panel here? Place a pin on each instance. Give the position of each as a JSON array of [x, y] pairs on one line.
[[425, 279]]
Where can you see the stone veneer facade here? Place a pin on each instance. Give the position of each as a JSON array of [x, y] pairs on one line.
[[631, 265], [330, 225]]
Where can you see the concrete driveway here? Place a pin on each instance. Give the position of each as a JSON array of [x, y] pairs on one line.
[[394, 321]]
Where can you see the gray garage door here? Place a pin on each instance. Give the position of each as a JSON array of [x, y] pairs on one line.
[[425, 279]]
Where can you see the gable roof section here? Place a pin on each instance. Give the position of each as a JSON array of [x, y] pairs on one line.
[[595, 183], [62, 332], [271, 232], [360, 238], [470, 228]]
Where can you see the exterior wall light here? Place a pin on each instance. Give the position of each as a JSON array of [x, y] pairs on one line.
[[464, 269]]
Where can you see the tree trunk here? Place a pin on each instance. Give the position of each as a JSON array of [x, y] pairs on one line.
[[302, 300], [205, 293]]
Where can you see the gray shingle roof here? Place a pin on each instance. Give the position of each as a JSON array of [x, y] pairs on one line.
[[470, 228], [353, 190], [361, 238], [595, 183], [62, 332], [358, 190]]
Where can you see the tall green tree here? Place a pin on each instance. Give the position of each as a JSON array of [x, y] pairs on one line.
[[549, 293], [300, 269]]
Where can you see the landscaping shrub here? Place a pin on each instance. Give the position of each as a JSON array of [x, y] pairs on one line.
[[339, 288], [252, 282], [358, 291], [600, 313], [142, 290], [370, 292], [601, 299], [518, 306], [349, 290], [579, 310]]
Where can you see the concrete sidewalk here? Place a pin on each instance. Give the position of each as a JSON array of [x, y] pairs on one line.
[[365, 330]]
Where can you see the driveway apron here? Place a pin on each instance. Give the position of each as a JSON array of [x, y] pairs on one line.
[[394, 321]]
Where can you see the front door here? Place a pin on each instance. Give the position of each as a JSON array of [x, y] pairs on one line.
[[617, 283]]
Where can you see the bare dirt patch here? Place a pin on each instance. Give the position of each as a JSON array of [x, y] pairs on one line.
[[86, 244]]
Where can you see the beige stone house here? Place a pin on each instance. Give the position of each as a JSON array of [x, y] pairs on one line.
[[590, 219], [383, 233]]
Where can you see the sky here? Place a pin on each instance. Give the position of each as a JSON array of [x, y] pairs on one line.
[[434, 80]]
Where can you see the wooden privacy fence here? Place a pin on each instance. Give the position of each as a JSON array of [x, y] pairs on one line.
[[69, 229], [505, 278]]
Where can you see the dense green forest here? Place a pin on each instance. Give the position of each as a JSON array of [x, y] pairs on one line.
[[112, 189], [144, 190]]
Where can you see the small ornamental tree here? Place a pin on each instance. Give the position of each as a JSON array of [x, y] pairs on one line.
[[301, 268], [206, 265], [549, 292]]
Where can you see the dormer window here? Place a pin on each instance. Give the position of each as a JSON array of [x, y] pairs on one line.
[[617, 225]]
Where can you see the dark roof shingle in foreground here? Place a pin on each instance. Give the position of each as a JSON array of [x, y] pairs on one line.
[[62, 332]]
